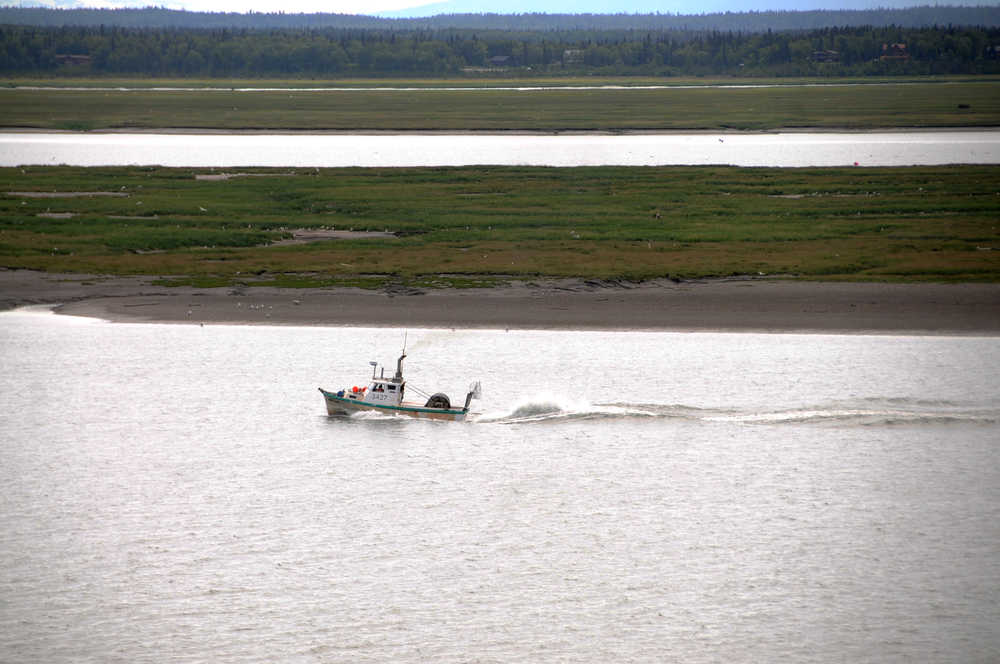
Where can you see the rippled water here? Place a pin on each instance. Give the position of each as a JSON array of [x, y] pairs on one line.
[[176, 492], [335, 150]]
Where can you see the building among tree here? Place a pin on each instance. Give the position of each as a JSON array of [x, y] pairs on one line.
[[894, 52], [825, 56]]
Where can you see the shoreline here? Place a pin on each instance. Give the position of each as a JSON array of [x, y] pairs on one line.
[[723, 305], [278, 131]]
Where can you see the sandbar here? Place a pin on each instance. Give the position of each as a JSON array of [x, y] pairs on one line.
[[733, 304]]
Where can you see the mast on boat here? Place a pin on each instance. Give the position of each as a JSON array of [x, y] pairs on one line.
[[398, 378]]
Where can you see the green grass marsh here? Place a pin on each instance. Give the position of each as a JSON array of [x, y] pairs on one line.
[[960, 102], [479, 225]]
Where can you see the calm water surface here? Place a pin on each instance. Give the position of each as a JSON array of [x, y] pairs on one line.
[[177, 493], [334, 150]]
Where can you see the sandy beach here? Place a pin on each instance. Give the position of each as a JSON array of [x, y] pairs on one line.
[[724, 304]]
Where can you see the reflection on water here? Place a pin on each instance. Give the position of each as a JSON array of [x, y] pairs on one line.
[[176, 492], [333, 150]]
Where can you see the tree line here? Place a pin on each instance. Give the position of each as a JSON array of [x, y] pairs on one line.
[[240, 53], [757, 21]]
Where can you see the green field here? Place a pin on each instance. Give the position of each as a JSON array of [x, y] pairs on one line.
[[474, 226], [924, 103], [500, 80]]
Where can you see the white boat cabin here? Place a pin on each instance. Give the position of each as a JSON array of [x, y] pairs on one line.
[[385, 391], [382, 390]]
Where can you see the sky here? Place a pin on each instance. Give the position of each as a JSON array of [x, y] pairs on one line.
[[431, 7]]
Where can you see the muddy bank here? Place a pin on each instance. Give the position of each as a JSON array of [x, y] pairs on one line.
[[724, 305]]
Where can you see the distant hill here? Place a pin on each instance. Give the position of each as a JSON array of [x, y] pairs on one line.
[[673, 7], [157, 17]]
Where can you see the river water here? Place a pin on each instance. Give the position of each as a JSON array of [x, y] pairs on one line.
[[334, 150], [177, 493]]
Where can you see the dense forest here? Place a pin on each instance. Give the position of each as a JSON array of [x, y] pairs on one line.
[[342, 53], [159, 17]]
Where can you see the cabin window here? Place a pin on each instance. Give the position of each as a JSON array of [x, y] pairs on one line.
[[392, 388]]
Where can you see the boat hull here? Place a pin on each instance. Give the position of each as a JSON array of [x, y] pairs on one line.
[[343, 406]]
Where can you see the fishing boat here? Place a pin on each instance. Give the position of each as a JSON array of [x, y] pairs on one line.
[[386, 395]]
